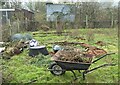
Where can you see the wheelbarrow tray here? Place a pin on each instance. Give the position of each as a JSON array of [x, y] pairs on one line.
[[67, 65]]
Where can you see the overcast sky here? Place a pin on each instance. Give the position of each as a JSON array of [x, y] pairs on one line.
[[56, 1], [115, 2]]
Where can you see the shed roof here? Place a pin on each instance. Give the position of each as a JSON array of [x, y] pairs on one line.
[[16, 9], [24, 10], [7, 9]]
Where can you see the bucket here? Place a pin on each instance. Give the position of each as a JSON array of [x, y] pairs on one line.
[[33, 51]]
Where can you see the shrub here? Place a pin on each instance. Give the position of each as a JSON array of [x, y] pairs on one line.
[[90, 35]]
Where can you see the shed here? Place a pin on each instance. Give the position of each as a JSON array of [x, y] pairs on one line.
[[24, 16], [4, 14]]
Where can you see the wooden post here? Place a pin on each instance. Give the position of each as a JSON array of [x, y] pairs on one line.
[[86, 21], [0, 26], [112, 20], [119, 24], [18, 26]]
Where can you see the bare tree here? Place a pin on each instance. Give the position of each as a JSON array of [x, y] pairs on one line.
[[15, 3], [89, 11], [30, 5]]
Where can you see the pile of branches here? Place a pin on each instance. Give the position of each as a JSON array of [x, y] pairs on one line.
[[77, 55], [14, 48], [92, 50], [73, 55], [66, 43]]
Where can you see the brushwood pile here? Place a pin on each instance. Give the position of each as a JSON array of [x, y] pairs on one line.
[[78, 55]]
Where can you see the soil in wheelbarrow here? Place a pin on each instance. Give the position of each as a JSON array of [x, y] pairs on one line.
[[74, 55]]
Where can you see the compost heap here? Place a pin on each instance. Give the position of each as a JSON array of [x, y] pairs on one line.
[[76, 55]]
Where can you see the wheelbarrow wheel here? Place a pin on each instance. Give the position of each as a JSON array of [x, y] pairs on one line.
[[56, 69]]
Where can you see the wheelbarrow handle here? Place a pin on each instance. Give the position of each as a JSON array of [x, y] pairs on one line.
[[104, 65], [102, 57]]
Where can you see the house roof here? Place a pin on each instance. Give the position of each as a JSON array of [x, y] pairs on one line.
[[24, 10], [16, 9], [7, 9]]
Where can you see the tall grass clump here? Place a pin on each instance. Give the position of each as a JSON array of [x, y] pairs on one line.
[[90, 35]]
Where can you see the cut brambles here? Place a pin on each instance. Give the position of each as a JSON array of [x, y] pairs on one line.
[[14, 48], [74, 55], [78, 55]]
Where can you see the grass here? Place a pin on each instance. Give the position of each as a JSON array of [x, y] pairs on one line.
[[25, 69]]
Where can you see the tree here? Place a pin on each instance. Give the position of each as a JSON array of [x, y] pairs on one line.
[[15, 4], [60, 17], [108, 12], [89, 12], [30, 5]]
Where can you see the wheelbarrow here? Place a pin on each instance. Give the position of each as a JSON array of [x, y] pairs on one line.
[[59, 67]]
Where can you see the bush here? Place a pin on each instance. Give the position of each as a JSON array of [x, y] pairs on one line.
[[90, 35]]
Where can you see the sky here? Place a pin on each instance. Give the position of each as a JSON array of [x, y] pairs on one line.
[[56, 1], [115, 2]]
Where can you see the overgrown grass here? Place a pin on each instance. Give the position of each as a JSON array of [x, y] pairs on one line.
[[25, 69]]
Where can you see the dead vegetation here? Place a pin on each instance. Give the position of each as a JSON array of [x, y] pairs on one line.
[[51, 33], [74, 55], [79, 38], [78, 55], [14, 49], [90, 35], [100, 43], [45, 28], [97, 52], [65, 43]]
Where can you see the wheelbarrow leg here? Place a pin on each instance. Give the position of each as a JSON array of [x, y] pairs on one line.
[[83, 74], [74, 75], [87, 71], [79, 71]]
